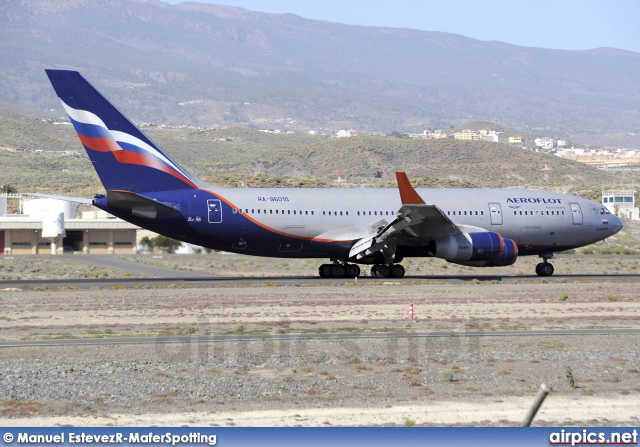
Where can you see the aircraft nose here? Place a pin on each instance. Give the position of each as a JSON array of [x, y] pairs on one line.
[[615, 224]]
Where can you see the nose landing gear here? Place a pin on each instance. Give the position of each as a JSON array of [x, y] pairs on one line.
[[545, 268]]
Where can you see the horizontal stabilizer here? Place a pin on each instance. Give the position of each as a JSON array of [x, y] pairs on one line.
[[139, 206], [64, 198]]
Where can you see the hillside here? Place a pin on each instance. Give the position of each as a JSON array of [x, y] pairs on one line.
[[244, 157], [212, 65], [20, 132]]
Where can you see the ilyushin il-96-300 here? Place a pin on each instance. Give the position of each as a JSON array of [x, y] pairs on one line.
[[347, 226]]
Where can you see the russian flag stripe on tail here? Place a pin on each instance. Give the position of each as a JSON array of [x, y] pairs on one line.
[[123, 156]]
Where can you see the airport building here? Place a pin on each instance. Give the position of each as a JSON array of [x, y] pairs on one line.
[[621, 203], [48, 226]]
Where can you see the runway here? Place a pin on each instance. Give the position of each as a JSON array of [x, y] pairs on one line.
[[188, 339], [211, 281]]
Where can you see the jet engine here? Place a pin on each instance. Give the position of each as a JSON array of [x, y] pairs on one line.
[[485, 248]]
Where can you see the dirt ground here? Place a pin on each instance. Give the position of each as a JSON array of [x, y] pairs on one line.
[[458, 380]]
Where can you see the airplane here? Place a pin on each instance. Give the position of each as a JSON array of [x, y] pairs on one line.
[[349, 226]]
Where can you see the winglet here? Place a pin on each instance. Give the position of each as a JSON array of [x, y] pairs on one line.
[[408, 195]]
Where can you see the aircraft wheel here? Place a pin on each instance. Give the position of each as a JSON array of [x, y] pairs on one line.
[[546, 269], [384, 271], [397, 271], [353, 271], [337, 271], [326, 271], [374, 271]]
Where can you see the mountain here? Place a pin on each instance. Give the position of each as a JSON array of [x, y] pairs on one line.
[[212, 65]]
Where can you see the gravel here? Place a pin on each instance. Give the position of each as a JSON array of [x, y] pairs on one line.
[[100, 380]]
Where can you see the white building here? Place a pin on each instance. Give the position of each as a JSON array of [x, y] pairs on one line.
[[621, 203], [25, 232], [545, 143]]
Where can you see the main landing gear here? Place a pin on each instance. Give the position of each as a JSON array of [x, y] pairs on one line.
[[387, 271], [339, 271], [545, 268]]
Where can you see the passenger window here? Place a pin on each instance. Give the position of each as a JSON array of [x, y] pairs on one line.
[[270, 211], [515, 213], [312, 213], [358, 213], [288, 211], [252, 211], [563, 212], [276, 211], [234, 211], [346, 212], [306, 213], [341, 213]]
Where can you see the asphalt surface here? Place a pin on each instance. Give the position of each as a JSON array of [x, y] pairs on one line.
[[319, 336], [200, 280], [116, 262]]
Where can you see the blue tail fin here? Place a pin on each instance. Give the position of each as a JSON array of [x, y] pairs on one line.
[[124, 157]]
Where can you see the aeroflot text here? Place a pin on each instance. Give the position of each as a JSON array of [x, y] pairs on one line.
[[532, 200], [119, 438]]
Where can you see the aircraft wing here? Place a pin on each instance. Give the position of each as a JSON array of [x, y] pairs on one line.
[[415, 223]]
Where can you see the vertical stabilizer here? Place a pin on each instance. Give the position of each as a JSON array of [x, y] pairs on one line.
[[122, 155]]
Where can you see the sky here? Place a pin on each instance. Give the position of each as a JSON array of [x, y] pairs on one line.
[[559, 24]]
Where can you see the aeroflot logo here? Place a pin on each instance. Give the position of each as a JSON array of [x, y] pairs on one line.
[[532, 200]]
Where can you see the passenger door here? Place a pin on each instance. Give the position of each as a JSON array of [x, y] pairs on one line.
[[576, 213], [214, 208], [495, 211]]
